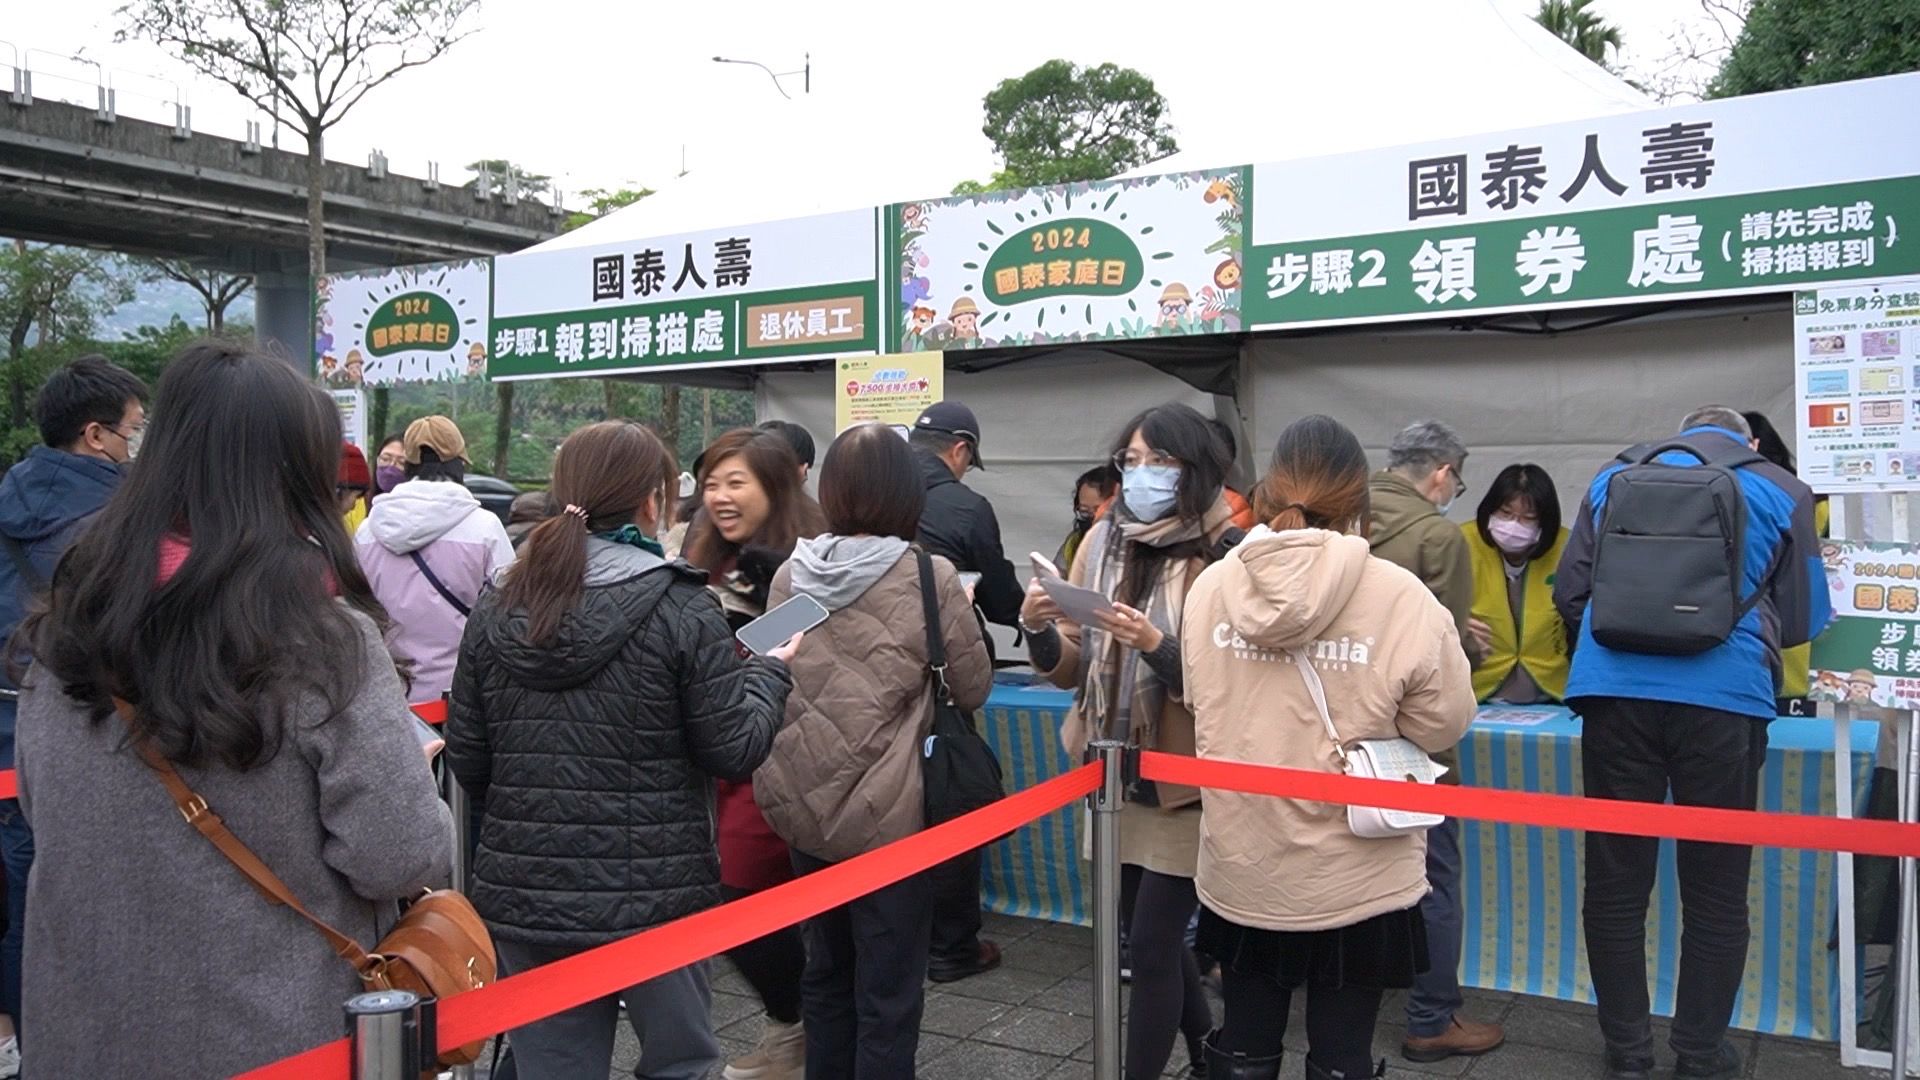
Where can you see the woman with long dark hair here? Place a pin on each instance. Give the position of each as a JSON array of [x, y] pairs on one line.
[[218, 597], [1170, 522], [1313, 645], [752, 512], [1515, 539], [844, 777], [597, 699]]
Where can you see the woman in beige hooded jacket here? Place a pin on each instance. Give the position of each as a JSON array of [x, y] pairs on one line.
[[1290, 897]]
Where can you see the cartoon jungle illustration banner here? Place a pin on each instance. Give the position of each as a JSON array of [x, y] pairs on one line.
[[404, 324], [1871, 653], [1134, 258]]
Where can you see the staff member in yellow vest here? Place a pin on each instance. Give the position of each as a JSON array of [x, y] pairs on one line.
[[1515, 541]]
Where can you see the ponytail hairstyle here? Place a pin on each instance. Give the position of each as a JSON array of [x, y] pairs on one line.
[[1318, 479], [603, 476]]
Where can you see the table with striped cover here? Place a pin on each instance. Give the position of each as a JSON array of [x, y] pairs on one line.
[[1520, 885]]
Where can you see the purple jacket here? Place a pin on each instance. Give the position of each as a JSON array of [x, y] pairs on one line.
[[460, 541]]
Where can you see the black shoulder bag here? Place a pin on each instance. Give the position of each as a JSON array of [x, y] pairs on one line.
[[961, 774]]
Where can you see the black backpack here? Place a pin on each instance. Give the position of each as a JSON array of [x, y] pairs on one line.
[[1669, 561], [958, 768]]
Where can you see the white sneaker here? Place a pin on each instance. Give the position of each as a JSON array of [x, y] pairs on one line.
[[781, 1055], [10, 1058]]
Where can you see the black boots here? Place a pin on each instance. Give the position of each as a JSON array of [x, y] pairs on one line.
[[1225, 1065], [1315, 1072], [1231, 1065]]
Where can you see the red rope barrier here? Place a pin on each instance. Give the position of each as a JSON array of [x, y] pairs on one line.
[[1750, 827], [609, 969]]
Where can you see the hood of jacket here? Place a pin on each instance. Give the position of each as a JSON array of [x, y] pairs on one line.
[[623, 585], [1286, 588], [419, 512], [51, 489], [1397, 506], [838, 570]]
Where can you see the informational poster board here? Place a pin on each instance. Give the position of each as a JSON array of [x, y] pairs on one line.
[[352, 404], [404, 324], [1141, 257], [1856, 351], [1870, 655], [889, 390]]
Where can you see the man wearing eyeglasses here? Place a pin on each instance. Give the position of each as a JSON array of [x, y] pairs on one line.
[[91, 415], [1424, 477]]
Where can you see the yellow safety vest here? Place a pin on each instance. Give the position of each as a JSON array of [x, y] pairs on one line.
[[1540, 642], [1795, 663]]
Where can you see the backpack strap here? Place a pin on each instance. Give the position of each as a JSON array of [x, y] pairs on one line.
[[930, 606], [433, 580], [199, 815], [1229, 540]]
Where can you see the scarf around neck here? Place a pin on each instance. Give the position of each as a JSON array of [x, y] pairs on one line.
[[1120, 696]]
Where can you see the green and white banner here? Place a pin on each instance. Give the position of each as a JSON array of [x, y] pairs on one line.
[[1870, 655], [800, 289], [1133, 258], [1753, 194]]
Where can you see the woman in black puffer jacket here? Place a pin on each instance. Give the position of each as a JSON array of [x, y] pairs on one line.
[[597, 699]]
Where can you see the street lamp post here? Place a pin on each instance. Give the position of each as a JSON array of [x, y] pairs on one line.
[[805, 72]]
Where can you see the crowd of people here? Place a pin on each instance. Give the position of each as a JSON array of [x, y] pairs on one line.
[[252, 604]]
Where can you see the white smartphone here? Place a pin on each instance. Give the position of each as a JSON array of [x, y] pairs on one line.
[[772, 630], [969, 579], [431, 742], [1044, 565]]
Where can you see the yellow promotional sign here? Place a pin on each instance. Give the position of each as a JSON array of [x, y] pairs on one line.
[[887, 389]]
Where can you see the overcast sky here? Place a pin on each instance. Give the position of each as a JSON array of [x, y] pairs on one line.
[[613, 92]]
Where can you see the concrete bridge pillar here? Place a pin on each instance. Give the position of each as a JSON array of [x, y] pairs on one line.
[[283, 317]]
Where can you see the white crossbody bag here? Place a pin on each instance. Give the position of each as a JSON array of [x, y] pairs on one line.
[[1375, 759]]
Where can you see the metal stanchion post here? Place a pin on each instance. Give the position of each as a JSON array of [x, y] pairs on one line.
[[383, 1030], [1903, 956], [1105, 804], [462, 831]]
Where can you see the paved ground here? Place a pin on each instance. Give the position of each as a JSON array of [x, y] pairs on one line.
[[1032, 1020]]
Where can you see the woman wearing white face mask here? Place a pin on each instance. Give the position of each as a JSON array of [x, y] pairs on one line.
[[1169, 522], [1516, 541]]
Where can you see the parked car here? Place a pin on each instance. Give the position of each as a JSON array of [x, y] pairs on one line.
[[494, 493]]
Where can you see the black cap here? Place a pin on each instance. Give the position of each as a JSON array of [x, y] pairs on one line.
[[953, 418]]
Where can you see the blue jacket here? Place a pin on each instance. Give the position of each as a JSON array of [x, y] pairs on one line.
[[1741, 674], [44, 500]]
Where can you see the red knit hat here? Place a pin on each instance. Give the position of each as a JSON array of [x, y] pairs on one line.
[[353, 468]]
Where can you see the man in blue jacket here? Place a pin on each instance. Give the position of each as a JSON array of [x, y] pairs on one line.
[[1695, 725], [91, 415]]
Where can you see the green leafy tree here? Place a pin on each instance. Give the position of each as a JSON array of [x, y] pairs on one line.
[[309, 62], [1061, 123], [1789, 43], [1588, 33], [601, 202], [50, 295], [493, 173]]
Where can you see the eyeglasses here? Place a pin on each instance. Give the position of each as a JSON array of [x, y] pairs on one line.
[[1133, 459], [392, 461]]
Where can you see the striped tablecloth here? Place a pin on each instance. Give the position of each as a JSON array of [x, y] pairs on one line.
[[1521, 886]]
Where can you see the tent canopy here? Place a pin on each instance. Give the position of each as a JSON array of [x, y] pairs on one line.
[[1283, 81]]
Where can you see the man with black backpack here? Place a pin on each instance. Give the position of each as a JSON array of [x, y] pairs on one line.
[[1692, 563]]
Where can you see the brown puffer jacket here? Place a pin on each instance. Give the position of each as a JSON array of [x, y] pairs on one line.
[[844, 776]]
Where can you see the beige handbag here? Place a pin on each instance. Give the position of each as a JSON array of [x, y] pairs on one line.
[[1375, 759]]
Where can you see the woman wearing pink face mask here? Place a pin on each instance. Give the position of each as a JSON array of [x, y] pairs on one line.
[[1516, 541]]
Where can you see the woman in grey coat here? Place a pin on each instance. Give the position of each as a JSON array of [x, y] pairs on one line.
[[218, 594]]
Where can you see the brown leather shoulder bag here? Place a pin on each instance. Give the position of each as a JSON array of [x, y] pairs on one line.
[[439, 948]]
